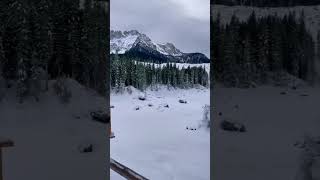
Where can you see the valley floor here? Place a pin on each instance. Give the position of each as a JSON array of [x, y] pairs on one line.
[[274, 122], [154, 141]]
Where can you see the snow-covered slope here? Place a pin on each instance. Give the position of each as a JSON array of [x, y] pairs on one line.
[[48, 134], [274, 123], [311, 13], [123, 41], [168, 49]]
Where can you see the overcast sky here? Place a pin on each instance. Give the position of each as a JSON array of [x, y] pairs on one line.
[[185, 23]]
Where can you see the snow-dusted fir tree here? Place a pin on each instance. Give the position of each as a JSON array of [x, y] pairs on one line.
[[141, 76], [2, 80], [24, 50], [22, 83], [117, 71], [182, 78], [123, 75]]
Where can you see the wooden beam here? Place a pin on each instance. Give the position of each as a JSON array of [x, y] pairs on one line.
[[3, 144], [125, 171]]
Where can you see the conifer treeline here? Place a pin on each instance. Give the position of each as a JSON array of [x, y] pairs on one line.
[[268, 3], [56, 36], [260, 49], [129, 72]]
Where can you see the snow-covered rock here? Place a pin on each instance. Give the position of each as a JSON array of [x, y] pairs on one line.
[[229, 125]]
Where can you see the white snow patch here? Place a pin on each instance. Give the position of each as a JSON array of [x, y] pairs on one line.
[[154, 141], [122, 44]]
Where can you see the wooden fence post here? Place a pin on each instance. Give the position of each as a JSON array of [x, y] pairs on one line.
[[3, 143]]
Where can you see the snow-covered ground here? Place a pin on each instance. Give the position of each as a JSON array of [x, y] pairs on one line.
[[47, 136], [154, 141], [274, 123]]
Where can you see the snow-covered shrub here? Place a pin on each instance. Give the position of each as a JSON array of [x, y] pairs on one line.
[[61, 90], [22, 85], [142, 96], [304, 171], [129, 90], [206, 116], [310, 149], [2, 87]]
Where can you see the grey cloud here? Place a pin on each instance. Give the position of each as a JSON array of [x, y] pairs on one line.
[[185, 25]]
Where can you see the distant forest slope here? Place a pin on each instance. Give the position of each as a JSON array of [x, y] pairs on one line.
[[262, 50], [267, 3], [132, 72], [56, 38]]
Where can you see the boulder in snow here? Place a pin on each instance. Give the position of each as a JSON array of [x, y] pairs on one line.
[[232, 126], [76, 116], [182, 101], [85, 148], [142, 96], [137, 108], [283, 93], [304, 95], [100, 116]]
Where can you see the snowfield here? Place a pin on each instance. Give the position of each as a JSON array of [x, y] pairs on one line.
[[154, 141], [48, 134], [275, 122], [122, 44]]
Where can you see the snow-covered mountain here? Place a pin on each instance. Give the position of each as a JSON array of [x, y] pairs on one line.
[[136, 44]]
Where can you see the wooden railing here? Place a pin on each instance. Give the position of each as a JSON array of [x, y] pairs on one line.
[[125, 171]]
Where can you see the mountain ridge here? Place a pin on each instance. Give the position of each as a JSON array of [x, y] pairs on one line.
[[134, 44]]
